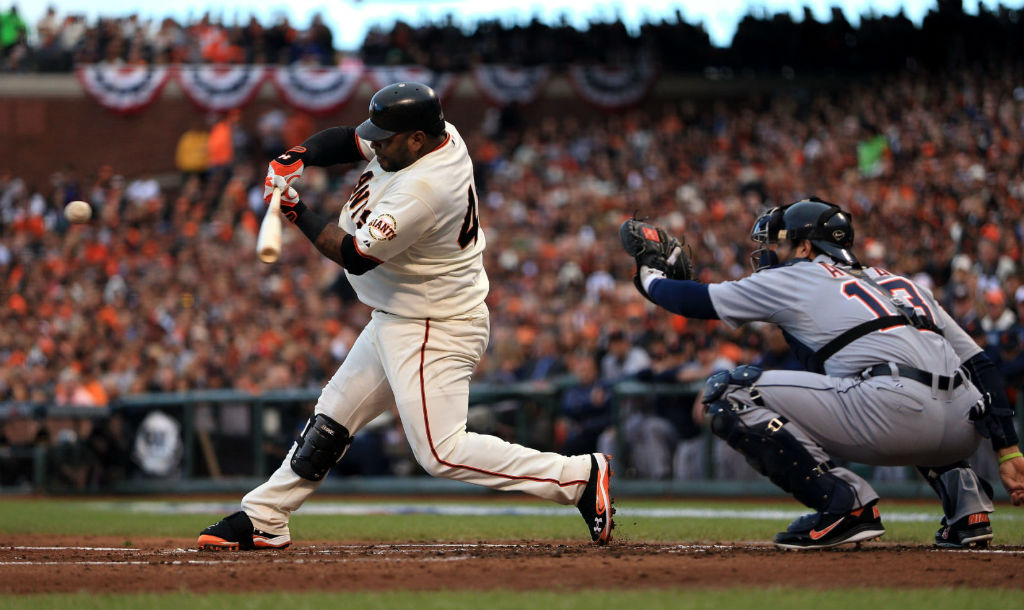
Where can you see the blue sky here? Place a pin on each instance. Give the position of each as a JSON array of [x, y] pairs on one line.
[[350, 19]]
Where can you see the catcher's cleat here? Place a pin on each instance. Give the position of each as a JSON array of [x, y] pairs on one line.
[[596, 502], [236, 533], [971, 531], [824, 530]]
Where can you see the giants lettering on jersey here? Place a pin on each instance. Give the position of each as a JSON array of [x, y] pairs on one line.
[[383, 227], [357, 201]]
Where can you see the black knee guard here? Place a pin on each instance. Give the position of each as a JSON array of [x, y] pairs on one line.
[[774, 452], [319, 447]]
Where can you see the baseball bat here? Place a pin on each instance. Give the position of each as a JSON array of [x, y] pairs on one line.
[[268, 243]]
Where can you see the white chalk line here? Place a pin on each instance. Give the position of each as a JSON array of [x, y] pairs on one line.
[[69, 548], [470, 510], [339, 553], [227, 561]]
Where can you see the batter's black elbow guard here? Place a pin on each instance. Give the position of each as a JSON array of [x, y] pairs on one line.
[[997, 424], [354, 261]]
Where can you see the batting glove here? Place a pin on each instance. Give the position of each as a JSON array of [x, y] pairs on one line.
[[291, 203], [288, 166]]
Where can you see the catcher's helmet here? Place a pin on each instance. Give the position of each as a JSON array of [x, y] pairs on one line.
[[828, 228], [402, 107]]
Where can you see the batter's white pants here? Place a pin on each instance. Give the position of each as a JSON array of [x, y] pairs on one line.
[[423, 367]]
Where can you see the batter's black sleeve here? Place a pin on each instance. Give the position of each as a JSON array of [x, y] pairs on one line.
[[332, 146]]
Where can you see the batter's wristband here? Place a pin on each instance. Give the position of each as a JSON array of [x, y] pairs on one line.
[[1010, 456], [309, 222]]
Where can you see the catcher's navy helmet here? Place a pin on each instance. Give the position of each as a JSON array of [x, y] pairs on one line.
[[828, 228], [402, 107]]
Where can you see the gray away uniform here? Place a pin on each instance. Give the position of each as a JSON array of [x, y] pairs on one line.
[[857, 410]]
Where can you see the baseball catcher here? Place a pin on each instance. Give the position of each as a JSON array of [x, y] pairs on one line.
[[890, 379]]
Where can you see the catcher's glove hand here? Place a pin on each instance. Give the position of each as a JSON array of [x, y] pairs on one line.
[[656, 253]]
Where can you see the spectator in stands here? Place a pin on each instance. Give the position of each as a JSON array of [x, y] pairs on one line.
[[963, 308], [545, 360], [20, 432], [585, 411], [270, 131], [13, 40], [622, 359], [220, 147], [191, 155], [297, 127], [998, 319]]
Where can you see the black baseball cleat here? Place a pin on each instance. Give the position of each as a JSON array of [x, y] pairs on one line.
[[596, 502], [971, 531], [825, 530], [236, 533]]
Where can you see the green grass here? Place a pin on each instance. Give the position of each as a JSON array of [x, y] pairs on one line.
[[764, 599], [75, 517]]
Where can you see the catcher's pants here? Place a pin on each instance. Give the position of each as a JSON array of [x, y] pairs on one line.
[[881, 421], [423, 367]]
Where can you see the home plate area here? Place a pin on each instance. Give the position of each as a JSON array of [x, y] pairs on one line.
[[37, 564]]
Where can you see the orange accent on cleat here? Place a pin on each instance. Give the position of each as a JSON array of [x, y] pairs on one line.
[[207, 542]]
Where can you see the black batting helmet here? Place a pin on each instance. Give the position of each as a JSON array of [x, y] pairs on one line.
[[402, 107], [828, 228]]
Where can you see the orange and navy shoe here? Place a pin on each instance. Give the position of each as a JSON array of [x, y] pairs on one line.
[[971, 531], [596, 502], [824, 530], [236, 533]]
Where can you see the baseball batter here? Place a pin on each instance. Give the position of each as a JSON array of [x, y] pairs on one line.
[[410, 241], [888, 381]]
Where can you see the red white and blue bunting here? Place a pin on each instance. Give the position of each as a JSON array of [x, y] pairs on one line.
[[123, 89], [315, 89], [219, 88], [613, 88], [323, 90], [443, 83], [502, 84]]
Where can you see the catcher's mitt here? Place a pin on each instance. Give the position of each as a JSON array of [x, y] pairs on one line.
[[651, 247]]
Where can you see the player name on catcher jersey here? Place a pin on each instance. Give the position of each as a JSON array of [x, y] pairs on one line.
[[816, 301], [422, 223]]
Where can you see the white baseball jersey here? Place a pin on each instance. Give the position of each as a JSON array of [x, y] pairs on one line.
[[422, 223]]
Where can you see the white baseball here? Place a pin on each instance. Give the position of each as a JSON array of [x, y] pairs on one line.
[[78, 211]]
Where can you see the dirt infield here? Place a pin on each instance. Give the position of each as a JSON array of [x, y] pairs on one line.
[[38, 564]]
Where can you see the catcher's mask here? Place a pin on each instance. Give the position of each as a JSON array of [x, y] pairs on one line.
[[765, 232]]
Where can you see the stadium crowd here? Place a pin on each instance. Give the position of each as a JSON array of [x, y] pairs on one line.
[[160, 292], [768, 42]]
